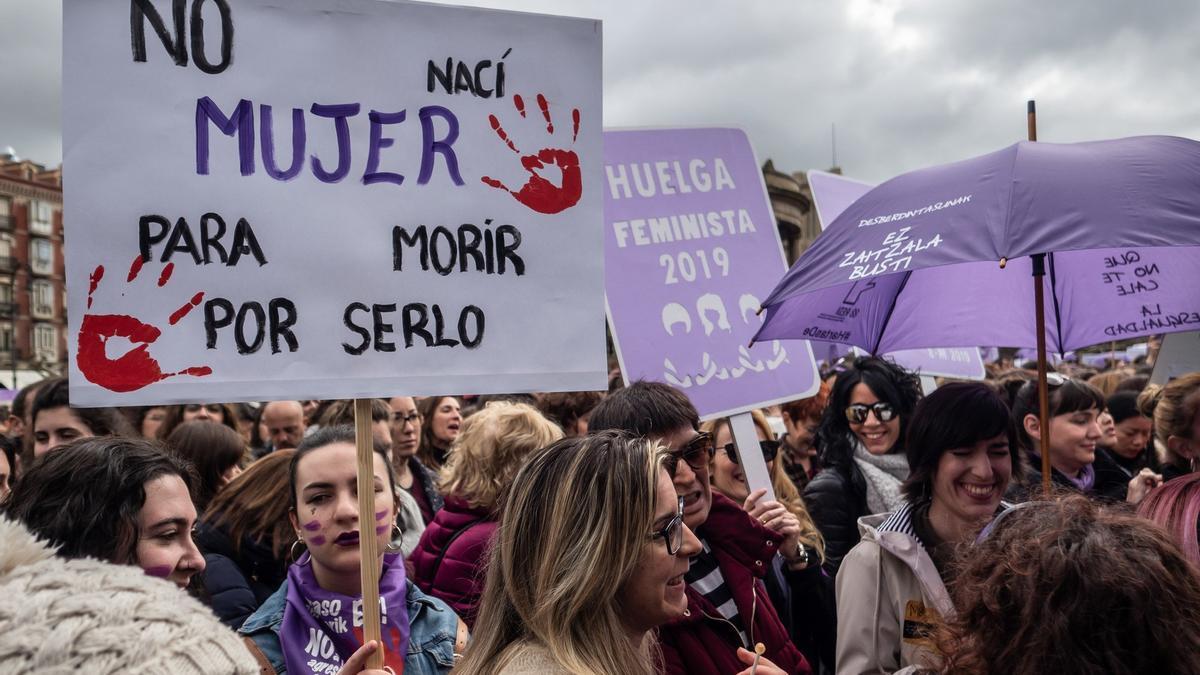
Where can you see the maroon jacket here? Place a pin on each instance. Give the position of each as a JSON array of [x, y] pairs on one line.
[[702, 642], [460, 536]]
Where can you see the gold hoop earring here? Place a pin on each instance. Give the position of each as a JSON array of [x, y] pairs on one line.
[[292, 550]]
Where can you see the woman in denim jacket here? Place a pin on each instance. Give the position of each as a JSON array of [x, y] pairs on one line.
[[313, 623]]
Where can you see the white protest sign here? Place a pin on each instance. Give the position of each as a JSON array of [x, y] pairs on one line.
[[1179, 354], [319, 199]]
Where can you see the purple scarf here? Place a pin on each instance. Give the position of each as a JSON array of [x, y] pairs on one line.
[[322, 629], [1085, 480]]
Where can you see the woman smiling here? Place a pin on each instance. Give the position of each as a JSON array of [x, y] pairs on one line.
[[891, 590]]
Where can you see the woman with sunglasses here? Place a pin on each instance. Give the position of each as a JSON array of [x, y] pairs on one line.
[[1074, 412], [891, 589], [862, 440], [799, 592], [588, 560]]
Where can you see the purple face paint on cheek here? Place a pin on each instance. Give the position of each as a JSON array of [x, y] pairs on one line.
[[380, 515], [313, 526], [317, 541], [381, 530], [160, 571]]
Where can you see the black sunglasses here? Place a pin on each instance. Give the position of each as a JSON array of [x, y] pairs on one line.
[[770, 450], [672, 534], [696, 452], [857, 413]]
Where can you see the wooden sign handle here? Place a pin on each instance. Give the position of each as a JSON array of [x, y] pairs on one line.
[[368, 541]]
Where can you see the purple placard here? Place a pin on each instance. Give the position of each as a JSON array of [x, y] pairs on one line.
[[831, 195], [691, 249]]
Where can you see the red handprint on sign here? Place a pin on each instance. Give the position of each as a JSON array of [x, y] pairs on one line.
[[136, 368], [538, 193]]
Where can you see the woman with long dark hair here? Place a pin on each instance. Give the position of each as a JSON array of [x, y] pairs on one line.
[[861, 436]]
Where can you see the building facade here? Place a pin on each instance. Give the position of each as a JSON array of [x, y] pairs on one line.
[[791, 199], [33, 315]]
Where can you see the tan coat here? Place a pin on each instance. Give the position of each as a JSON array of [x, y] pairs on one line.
[[888, 592]]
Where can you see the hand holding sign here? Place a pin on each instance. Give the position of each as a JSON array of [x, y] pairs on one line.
[[538, 193], [136, 368]]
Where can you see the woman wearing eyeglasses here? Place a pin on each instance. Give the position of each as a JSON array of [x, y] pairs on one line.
[[891, 589], [799, 592], [589, 558], [1074, 411], [862, 439]]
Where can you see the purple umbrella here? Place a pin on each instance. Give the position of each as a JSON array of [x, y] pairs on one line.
[[942, 256]]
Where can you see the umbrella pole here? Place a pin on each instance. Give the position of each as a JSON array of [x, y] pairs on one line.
[[1039, 302]]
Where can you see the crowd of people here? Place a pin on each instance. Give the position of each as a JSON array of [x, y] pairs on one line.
[[614, 532]]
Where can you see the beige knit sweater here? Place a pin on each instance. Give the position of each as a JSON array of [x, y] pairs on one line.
[[86, 616], [530, 658]]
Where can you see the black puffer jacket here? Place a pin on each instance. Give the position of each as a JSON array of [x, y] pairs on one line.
[[237, 583], [836, 498]]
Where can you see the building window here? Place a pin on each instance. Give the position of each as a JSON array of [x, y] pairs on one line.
[[45, 343], [6, 341], [41, 216], [43, 300], [5, 213], [41, 256]]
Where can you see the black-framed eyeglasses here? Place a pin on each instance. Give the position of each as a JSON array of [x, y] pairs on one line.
[[413, 418], [770, 450], [857, 413], [697, 452], [672, 533]]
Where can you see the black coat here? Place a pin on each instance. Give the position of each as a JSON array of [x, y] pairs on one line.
[[1114, 472], [836, 498], [237, 583]]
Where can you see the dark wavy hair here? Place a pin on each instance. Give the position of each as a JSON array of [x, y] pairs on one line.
[[955, 415], [85, 497], [888, 381], [1072, 587]]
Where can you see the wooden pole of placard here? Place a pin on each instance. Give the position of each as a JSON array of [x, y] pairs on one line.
[[368, 541], [745, 437], [1039, 302]]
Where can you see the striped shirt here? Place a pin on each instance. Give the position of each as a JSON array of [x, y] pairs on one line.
[[705, 576]]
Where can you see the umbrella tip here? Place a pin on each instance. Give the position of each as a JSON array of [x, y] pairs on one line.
[[1003, 262], [751, 343], [761, 309]]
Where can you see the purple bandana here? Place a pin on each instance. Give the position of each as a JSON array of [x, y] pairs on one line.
[[322, 629], [1085, 480]]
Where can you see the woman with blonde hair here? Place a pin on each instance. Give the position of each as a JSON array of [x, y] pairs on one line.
[[1175, 409], [803, 597], [589, 558], [486, 456]]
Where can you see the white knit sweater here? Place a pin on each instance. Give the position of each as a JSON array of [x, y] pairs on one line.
[[86, 616]]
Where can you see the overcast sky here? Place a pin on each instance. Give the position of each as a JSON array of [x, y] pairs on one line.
[[908, 84]]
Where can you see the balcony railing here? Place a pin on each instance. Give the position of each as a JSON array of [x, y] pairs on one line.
[[6, 223], [7, 263], [7, 309]]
